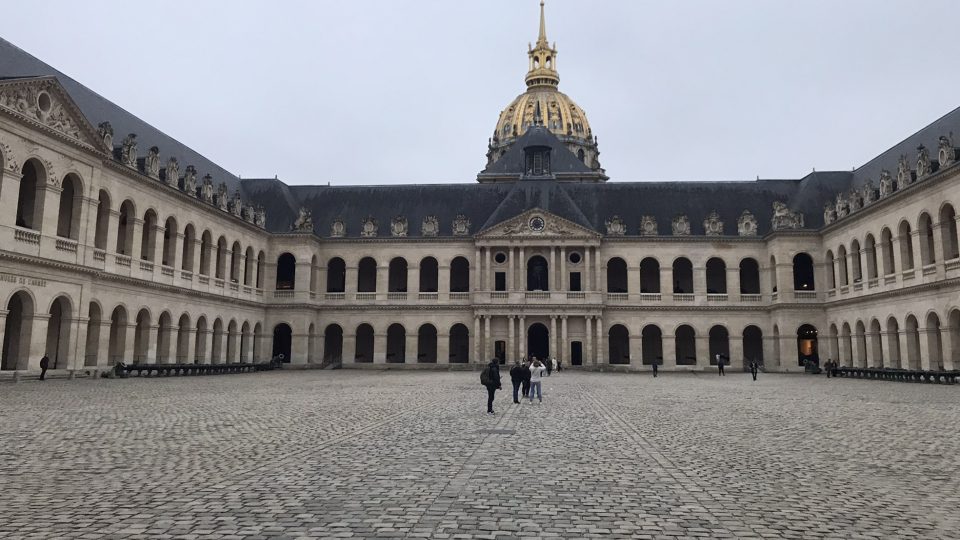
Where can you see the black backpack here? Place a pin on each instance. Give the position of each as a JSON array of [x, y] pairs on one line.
[[485, 376]]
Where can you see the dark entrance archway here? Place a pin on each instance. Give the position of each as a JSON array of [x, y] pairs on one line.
[[537, 274], [282, 337], [807, 344], [538, 341]]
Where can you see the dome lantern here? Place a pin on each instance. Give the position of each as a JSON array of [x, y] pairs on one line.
[[543, 59]]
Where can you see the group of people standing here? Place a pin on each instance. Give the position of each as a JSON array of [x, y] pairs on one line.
[[526, 376]]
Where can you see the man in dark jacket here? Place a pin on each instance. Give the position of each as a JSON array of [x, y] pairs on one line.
[[492, 382], [516, 377], [44, 365], [526, 378]]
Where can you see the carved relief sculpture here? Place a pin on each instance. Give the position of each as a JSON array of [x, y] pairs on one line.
[[886, 183], [151, 163], [615, 226], [236, 205], [128, 151], [680, 225], [430, 226], [784, 218], [869, 192], [172, 172], [648, 226], [904, 174], [923, 162], [37, 102], [222, 196], [260, 217], [398, 226], [856, 201], [247, 213], [338, 229], [946, 153], [747, 224], [461, 225], [190, 181], [841, 206], [829, 213], [105, 132], [713, 225], [206, 191], [304, 221], [369, 227]]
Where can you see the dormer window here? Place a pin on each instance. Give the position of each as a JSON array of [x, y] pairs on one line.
[[537, 161]]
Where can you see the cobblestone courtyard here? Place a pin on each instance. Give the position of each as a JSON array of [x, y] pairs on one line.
[[326, 454]]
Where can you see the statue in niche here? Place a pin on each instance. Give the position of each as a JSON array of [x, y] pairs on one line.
[[369, 227], [841, 206], [904, 174], [648, 226], [338, 228], [430, 226], [713, 225], [784, 218], [172, 172], [304, 221], [747, 224], [128, 151], [222, 196], [680, 226], [924, 167], [206, 190], [829, 213], [105, 132], [616, 226], [260, 217], [946, 153], [886, 183], [151, 163], [461, 225], [398, 226]]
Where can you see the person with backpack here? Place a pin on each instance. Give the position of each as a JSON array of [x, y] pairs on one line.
[[516, 377], [525, 390], [490, 377], [536, 379]]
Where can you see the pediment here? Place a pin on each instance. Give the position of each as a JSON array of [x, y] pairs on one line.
[[537, 223], [43, 101]]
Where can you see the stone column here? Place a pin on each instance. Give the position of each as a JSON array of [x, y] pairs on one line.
[[49, 198], [601, 343], [553, 336], [8, 203], [702, 346], [207, 347], [522, 323], [175, 262], [588, 356], [511, 339], [511, 271], [349, 347], [946, 345], [78, 342], [351, 280], [103, 344], [521, 273], [599, 276], [301, 284], [136, 225], [158, 231], [552, 271], [564, 342], [737, 360], [699, 281], [413, 281], [733, 283], [585, 278], [562, 279], [475, 273], [410, 348], [487, 340], [443, 348], [856, 353], [487, 276], [379, 347], [669, 346], [635, 349], [192, 345], [299, 347], [38, 342], [633, 280], [476, 339], [383, 274], [666, 283], [926, 362], [153, 333]]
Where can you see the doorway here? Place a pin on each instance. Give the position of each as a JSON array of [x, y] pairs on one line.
[[538, 341]]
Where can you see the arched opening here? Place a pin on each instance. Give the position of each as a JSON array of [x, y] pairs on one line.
[[749, 276], [248, 262], [336, 275], [860, 341], [716, 276], [925, 228], [616, 276], [842, 266], [71, 195], [459, 275], [948, 232], [857, 271], [200, 341], [829, 264], [396, 344], [719, 340], [906, 245], [221, 261], [685, 341], [206, 244], [58, 333], [30, 198], [367, 275], [282, 342], [429, 275], [913, 343], [261, 263], [682, 276], [364, 348], [94, 323], [232, 339], [286, 272], [164, 329], [183, 340], [652, 344], [870, 252], [397, 279], [538, 341], [459, 344], [125, 227], [803, 272], [314, 270], [773, 276], [807, 345], [236, 254], [537, 274], [186, 252], [169, 242], [141, 338], [118, 335], [427, 344], [886, 243], [649, 275], [148, 236], [893, 343], [216, 349], [934, 344], [245, 342], [876, 344], [753, 344], [618, 348], [103, 220], [333, 344], [17, 331]]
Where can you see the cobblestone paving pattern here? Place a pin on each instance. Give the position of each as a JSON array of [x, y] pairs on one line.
[[331, 454]]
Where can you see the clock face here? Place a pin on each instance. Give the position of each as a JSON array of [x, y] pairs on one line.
[[537, 223]]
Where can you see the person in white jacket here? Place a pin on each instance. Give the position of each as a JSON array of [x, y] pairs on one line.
[[536, 379]]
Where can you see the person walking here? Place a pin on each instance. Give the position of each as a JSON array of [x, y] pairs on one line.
[[656, 362], [829, 367], [720, 365], [516, 377], [536, 380], [490, 377], [753, 369], [44, 365], [549, 365], [559, 365], [525, 387]]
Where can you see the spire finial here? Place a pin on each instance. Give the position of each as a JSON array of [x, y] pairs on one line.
[[543, 27], [543, 58]]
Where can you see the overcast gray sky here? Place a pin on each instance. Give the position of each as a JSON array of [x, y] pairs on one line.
[[388, 91]]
